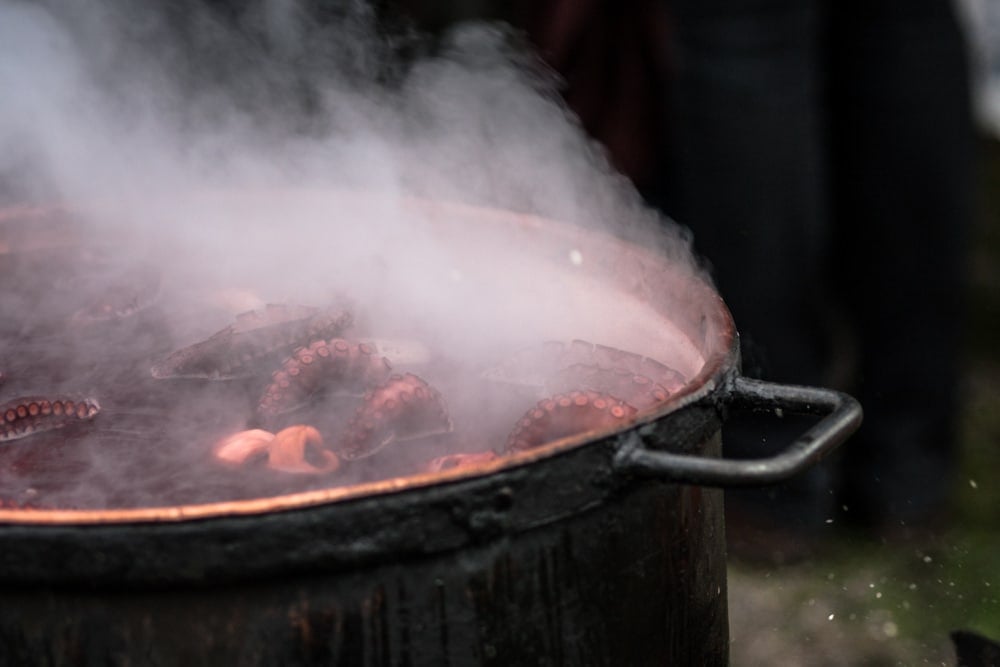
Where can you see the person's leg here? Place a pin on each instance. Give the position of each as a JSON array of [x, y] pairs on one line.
[[747, 175], [746, 170], [903, 149]]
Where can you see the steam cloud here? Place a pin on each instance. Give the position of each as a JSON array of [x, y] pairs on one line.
[[143, 104], [121, 99]]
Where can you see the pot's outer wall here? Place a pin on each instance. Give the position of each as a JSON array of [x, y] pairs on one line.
[[637, 580]]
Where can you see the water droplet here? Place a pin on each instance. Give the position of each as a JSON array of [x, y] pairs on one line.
[[575, 257], [973, 484]]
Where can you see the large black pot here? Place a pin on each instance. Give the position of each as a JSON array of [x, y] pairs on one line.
[[599, 549]]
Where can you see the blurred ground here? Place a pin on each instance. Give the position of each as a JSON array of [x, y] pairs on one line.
[[863, 602]]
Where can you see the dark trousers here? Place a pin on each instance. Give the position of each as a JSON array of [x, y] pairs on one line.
[[821, 151]]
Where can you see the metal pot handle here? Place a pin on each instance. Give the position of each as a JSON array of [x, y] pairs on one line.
[[841, 417]]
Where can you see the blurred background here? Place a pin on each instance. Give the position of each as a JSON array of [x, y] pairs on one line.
[[839, 166]]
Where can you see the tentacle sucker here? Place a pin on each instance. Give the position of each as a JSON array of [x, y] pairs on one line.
[[24, 416], [564, 415], [334, 363], [402, 408]]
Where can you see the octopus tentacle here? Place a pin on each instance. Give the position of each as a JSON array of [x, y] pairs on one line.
[[403, 408], [534, 366], [238, 350], [564, 415], [459, 460], [24, 416], [322, 363], [637, 390], [669, 378]]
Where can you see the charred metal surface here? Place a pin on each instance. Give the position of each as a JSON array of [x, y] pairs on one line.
[[636, 579]]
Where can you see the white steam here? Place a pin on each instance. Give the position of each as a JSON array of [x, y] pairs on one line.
[[173, 124], [122, 100]]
